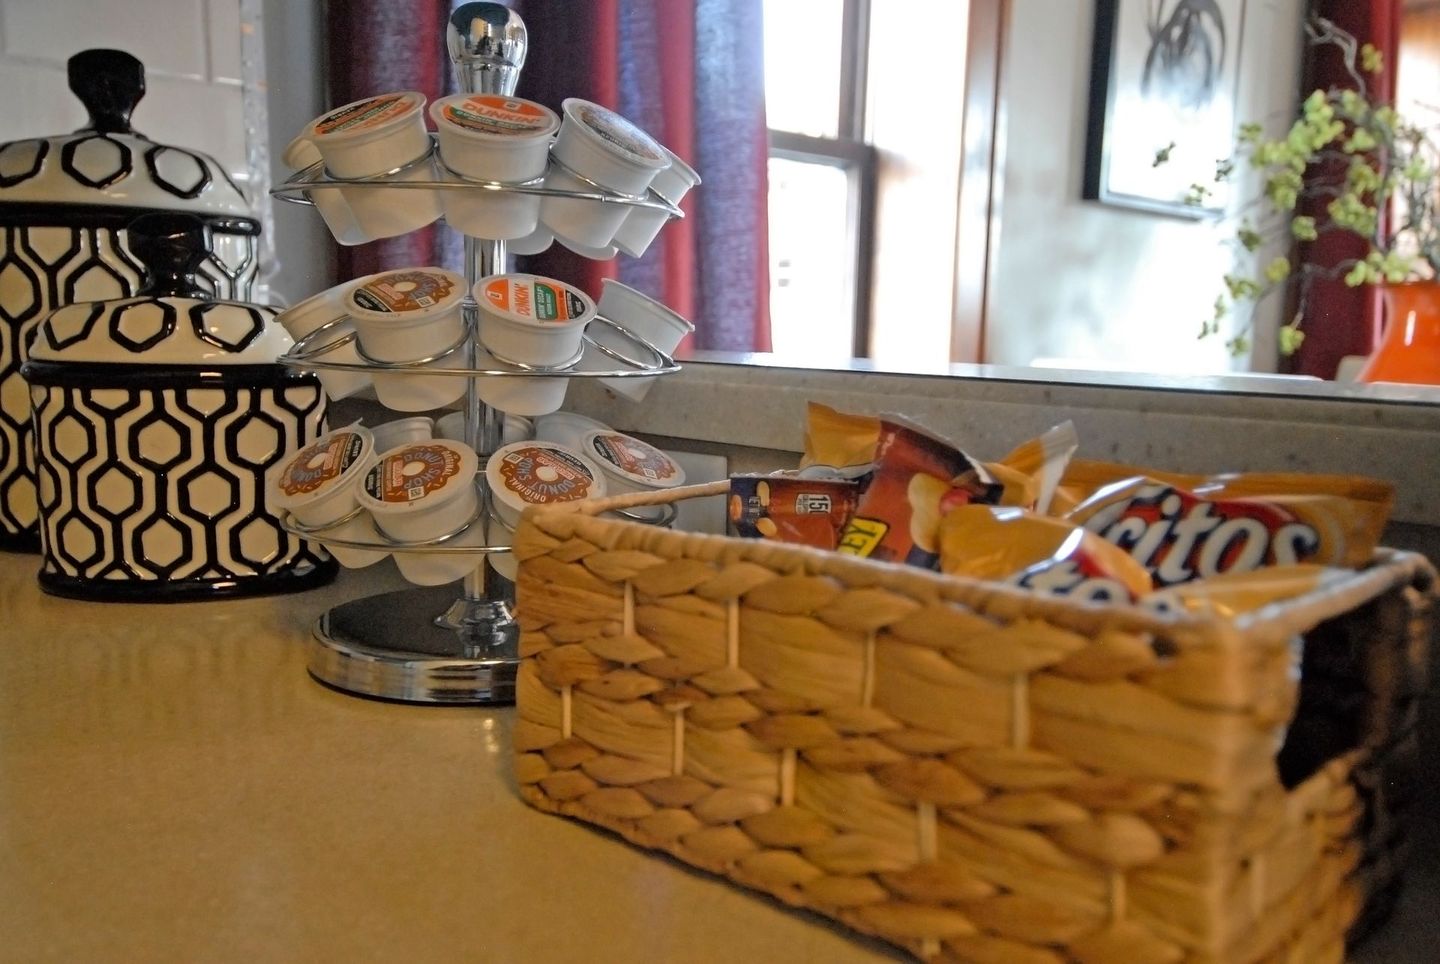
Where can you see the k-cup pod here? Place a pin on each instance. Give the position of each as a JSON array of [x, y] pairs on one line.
[[529, 320], [321, 321], [575, 222], [640, 315], [513, 428], [604, 253], [490, 137], [402, 431], [535, 242], [300, 154], [319, 487], [380, 135], [425, 492], [567, 429], [539, 474], [604, 149], [522, 395], [412, 315], [499, 534], [642, 224], [631, 465]]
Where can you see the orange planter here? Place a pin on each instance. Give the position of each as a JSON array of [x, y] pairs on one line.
[[1409, 351]]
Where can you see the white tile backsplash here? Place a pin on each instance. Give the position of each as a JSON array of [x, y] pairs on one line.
[[224, 40], [191, 52], [168, 35]]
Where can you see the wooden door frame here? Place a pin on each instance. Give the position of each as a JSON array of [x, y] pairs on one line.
[[982, 176]]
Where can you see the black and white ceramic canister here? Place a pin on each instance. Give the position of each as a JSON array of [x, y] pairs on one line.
[[159, 421], [64, 205]]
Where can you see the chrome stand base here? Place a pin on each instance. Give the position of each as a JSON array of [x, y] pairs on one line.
[[395, 647]]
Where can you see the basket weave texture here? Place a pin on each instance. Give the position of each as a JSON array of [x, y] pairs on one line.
[[970, 771]]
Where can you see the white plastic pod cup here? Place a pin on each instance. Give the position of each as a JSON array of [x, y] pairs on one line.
[[327, 308], [533, 473], [380, 135], [526, 396], [499, 534], [531, 320], [491, 137], [641, 315], [513, 428], [642, 224], [421, 492], [406, 315], [567, 428], [631, 465], [535, 242], [402, 431], [602, 147], [319, 486], [334, 210]]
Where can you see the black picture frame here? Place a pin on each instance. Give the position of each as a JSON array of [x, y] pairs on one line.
[[1162, 75]]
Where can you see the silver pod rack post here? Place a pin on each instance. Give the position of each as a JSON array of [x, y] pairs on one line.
[[423, 644]]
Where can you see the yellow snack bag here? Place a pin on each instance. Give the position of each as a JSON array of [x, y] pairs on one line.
[[1038, 552], [1182, 528], [1243, 592]]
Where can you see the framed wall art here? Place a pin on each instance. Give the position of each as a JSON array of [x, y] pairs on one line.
[[1164, 81]]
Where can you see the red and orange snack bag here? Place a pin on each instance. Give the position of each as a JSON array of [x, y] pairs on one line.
[[1038, 552], [1182, 528], [808, 512], [918, 477]]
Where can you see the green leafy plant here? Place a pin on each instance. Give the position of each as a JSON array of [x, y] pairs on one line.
[[1375, 173]]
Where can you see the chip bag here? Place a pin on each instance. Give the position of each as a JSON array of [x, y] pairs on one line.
[[918, 477], [1182, 528], [1038, 552]]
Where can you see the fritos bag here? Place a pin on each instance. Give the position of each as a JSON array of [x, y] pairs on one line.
[[1186, 527]]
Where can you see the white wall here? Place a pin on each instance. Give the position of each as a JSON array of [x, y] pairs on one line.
[[1100, 285]]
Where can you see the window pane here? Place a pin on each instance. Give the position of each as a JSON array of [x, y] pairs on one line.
[[812, 297], [802, 65]]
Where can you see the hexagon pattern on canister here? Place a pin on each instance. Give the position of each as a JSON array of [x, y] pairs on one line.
[[22, 160], [96, 161], [197, 505], [76, 264]]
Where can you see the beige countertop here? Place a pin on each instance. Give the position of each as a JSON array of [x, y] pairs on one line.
[[173, 786]]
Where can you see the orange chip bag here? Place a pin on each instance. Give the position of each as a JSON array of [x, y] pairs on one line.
[[1038, 552], [1241, 592], [1182, 528], [839, 441], [918, 477]]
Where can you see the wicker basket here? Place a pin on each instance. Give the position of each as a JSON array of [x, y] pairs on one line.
[[969, 771]]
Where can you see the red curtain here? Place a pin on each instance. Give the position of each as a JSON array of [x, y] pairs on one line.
[[373, 47], [1340, 320], [688, 71]]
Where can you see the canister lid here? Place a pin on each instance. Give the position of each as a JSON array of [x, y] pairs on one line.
[[637, 462], [540, 473], [107, 163], [409, 293], [420, 475], [333, 460], [531, 300], [170, 321]]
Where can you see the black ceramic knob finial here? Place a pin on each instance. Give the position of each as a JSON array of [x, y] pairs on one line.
[[171, 247], [109, 83]]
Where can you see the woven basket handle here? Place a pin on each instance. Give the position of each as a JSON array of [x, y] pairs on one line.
[[631, 500]]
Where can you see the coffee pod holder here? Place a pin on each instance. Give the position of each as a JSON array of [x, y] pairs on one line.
[[423, 644]]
